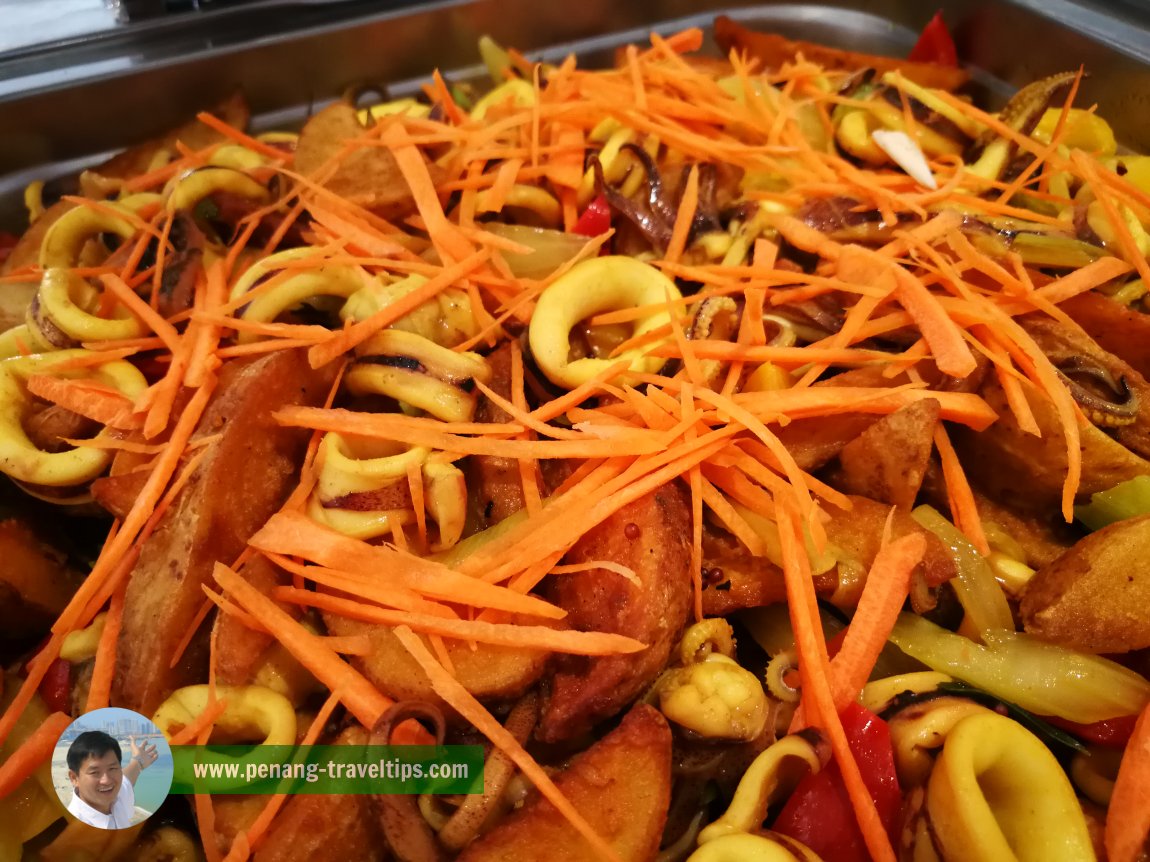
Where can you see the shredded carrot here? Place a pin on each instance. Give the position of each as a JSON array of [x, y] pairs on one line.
[[1128, 816], [883, 595], [362, 699], [191, 731], [684, 217], [963, 508], [471, 709], [100, 686], [33, 752], [818, 699], [295, 534], [521, 636], [88, 398], [250, 840]]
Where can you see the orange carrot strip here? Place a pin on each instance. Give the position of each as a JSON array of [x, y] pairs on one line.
[[100, 686], [962, 505], [461, 700], [88, 398], [190, 732], [358, 332], [295, 534], [684, 217], [246, 842], [1128, 817], [818, 699], [521, 636], [883, 595], [362, 699], [445, 235], [961, 407], [229, 131], [144, 312], [951, 353], [33, 752], [384, 426]]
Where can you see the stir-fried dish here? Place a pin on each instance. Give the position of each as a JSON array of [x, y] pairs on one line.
[[753, 454]]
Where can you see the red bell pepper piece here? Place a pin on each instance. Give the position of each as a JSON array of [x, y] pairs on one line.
[[56, 687], [594, 220], [935, 44], [819, 812], [1111, 733]]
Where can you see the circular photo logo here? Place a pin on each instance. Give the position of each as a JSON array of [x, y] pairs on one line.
[[112, 768]]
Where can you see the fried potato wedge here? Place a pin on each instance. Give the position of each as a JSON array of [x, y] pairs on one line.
[[1027, 472], [744, 580], [36, 581], [854, 536], [241, 650], [309, 828], [1096, 596], [369, 176], [775, 50], [650, 537], [494, 484], [248, 472], [489, 672], [888, 461], [621, 785]]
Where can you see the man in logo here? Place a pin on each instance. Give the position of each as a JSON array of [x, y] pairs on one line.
[[102, 789]]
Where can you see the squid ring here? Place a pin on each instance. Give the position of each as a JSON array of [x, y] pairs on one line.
[[338, 281], [416, 371], [771, 775], [65, 239], [589, 288], [252, 712], [193, 186], [345, 473], [61, 301], [23, 460], [744, 847], [996, 792], [921, 729]]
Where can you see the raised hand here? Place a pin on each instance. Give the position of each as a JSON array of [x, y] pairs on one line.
[[145, 754]]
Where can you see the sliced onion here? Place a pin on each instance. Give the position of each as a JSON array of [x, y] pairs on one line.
[[550, 249], [1040, 677], [906, 153], [977, 589]]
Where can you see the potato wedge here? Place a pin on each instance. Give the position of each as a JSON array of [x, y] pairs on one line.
[[241, 650], [489, 672], [1096, 596], [494, 485], [854, 536], [309, 828], [36, 581], [744, 580], [369, 176], [621, 785], [651, 537], [1027, 472], [248, 472], [888, 461]]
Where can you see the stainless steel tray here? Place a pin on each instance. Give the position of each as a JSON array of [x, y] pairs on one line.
[[55, 119]]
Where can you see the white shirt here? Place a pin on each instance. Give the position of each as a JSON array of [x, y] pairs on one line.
[[122, 809]]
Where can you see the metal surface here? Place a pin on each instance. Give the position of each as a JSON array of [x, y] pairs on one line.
[[114, 94]]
